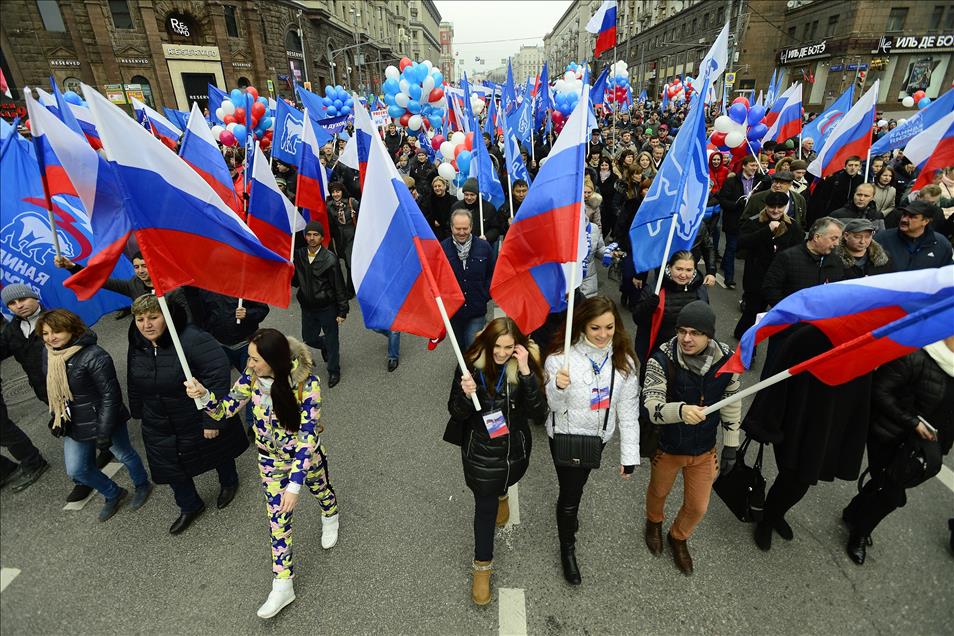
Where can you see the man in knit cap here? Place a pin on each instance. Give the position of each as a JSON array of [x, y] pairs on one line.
[[680, 379], [489, 231]]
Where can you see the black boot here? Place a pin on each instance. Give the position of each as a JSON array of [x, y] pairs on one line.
[[567, 525]]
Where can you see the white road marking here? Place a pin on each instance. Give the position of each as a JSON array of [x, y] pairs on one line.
[[513, 494], [512, 612], [946, 477], [111, 469], [6, 577]]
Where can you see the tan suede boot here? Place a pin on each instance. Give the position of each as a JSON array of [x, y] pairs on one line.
[[503, 511], [480, 591]]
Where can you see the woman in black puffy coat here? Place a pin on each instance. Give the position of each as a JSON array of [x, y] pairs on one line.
[[181, 440], [87, 408], [506, 375]]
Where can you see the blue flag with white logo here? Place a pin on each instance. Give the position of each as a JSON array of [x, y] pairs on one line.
[[516, 169], [822, 126]]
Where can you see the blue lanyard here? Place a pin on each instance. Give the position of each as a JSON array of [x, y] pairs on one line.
[[500, 380], [598, 368]]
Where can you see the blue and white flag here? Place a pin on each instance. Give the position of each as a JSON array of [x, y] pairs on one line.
[[916, 124], [820, 128], [483, 169], [521, 123], [288, 128], [516, 169]]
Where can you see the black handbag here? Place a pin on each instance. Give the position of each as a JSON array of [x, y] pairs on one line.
[[581, 451], [743, 487]]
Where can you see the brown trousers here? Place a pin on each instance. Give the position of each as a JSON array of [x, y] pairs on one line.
[[698, 474]]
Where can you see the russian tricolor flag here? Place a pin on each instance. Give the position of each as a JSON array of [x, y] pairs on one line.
[[603, 24], [161, 127], [187, 234], [869, 320], [357, 150], [932, 149], [271, 215], [851, 137], [82, 115], [785, 118], [200, 151], [547, 234], [400, 271], [312, 191]]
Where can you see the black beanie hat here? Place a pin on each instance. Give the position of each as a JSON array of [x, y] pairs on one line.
[[470, 186], [315, 226], [697, 315]]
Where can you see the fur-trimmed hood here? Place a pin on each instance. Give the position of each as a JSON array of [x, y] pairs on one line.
[[302, 363], [511, 367], [876, 255]]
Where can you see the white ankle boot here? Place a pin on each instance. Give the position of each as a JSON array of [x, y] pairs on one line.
[[329, 531], [283, 593]]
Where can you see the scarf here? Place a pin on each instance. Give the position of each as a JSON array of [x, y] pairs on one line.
[[57, 384], [943, 356], [783, 223], [605, 174], [463, 250], [700, 363]]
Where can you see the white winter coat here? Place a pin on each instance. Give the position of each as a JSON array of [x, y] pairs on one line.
[[596, 247], [570, 407]]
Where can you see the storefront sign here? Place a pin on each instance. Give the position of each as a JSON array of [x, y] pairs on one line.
[[190, 52], [799, 53], [889, 43], [179, 25], [294, 54], [134, 61], [135, 90], [114, 93], [59, 63], [242, 64]]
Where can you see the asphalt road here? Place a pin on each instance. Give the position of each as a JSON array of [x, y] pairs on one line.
[[402, 562]]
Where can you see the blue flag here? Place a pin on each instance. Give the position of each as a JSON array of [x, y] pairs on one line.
[[516, 169], [468, 111], [216, 95], [288, 126], [509, 91], [543, 98], [598, 92], [680, 188], [642, 96], [425, 143], [489, 124], [822, 126], [520, 122], [27, 238], [483, 169], [665, 101], [917, 123], [770, 96]]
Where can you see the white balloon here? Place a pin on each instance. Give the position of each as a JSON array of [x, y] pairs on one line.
[[477, 106], [446, 170], [560, 86], [401, 99], [569, 75], [734, 138], [392, 72], [908, 102], [216, 131], [228, 107], [457, 139], [426, 87], [231, 127], [415, 122], [447, 149], [901, 121], [404, 86], [428, 64], [220, 114]]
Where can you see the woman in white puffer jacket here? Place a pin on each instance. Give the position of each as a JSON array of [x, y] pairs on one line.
[[590, 391]]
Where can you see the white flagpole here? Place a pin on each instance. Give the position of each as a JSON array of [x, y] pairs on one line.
[[755, 155], [868, 164], [665, 258], [457, 352]]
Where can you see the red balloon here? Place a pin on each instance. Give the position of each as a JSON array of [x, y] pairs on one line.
[[437, 141], [227, 138], [228, 119], [240, 114], [404, 63], [265, 143], [918, 96], [454, 163], [741, 100], [404, 119], [258, 109], [459, 148], [268, 134], [718, 138], [251, 90], [469, 141], [27, 124], [740, 151], [435, 94], [558, 117]]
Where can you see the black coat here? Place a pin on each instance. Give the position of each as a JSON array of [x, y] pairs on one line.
[[97, 406], [493, 465], [423, 174], [172, 426], [675, 297], [928, 250], [832, 193], [475, 279], [905, 388], [437, 212], [817, 431], [732, 200], [491, 230], [760, 247], [215, 313], [796, 268], [878, 262], [319, 282], [28, 352]]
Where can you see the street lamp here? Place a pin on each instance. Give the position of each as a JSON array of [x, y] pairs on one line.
[[355, 15]]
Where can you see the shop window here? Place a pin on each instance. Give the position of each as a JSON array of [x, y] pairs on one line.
[[50, 14], [119, 9], [243, 82], [73, 84], [146, 89], [231, 24], [292, 41], [832, 26], [896, 19]]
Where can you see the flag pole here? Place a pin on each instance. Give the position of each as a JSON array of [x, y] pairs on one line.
[[799, 143], [868, 164], [46, 192], [662, 266], [457, 352], [755, 155], [177, 344]]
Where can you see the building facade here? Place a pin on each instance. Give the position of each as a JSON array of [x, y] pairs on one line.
[[527, 62], [446, 58], [568, 40], [168, 51]]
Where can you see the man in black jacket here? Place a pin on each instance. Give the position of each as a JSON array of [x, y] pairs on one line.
[[732, 198], [323, 298], [861, 206], [861, 255], [913, 245], [487, 230], [806, 265], [835, 191]]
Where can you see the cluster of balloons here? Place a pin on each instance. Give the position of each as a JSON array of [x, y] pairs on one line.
[[919, 98], [232, 113], [566, 93], [456, 156], [414, 93], [617, 82], [337, 101], [676, 90], [742, 123]]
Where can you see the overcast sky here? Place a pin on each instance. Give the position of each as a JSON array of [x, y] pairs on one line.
[[514, 22]]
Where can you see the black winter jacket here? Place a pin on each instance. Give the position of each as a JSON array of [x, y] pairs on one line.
[[133, 287], [97, 406], [475, 279], [319, 282], [796, 268], [28, 352], [493, 465], [491, 231], [423, 174], [850, 211], [437, 212], [172, 427], [760, 247], [676, 297], [831, 194], [215, 313], [732, 200], [877, 262], [905, 388], [928, 250]]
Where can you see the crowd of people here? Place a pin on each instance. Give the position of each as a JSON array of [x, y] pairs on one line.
[[651, 386]]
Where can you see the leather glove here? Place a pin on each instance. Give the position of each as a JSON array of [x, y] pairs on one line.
[[727, 459], [103, 443]]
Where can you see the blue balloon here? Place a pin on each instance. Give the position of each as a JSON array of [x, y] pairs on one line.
[[737, 113], [463, 161], [757, 131], [756, 146], [345, 110], [262, 100], [389, 99], [332, 111], [756, 113], [438, 78], [391, 86], [338, 103], [330, 91], [414, 92], [240, 133], [73, 98], [395, 111], [236, 96], [924, 102], [459, 179], [326, 101], [414, 107]]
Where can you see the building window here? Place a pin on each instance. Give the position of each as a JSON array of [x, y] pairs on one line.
[[950, 18], [264, 31], [896, 19], [73, 84], [50, 14], [705, 21], [231, 24], [832, 26], [937, 16], [292, 41], [720, 17], [146, 89], [695, 23], [791, 33], [119, 9], [814, 31]]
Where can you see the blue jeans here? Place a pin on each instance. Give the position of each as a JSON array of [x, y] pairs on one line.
[[80, 459], [186, 495], [238, 358], [728, 258], [394, 342], [466, 330], [319, 329]]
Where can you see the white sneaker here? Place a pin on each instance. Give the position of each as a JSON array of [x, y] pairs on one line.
[[283, 593], [329, 531]]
